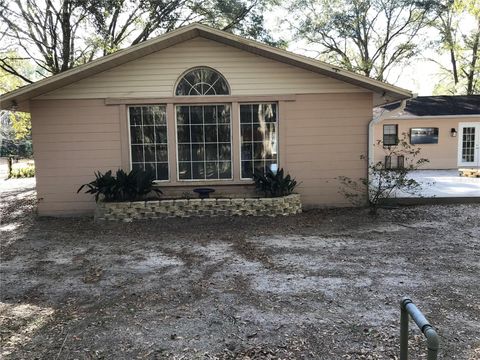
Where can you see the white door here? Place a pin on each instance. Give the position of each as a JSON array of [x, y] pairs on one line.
[[469, 144]]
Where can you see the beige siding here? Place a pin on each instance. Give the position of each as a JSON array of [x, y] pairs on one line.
[[155, 75], [443, 155], [321, 137], [72, 139], [325, 137]]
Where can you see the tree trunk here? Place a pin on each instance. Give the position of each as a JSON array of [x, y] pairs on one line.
[[471, 74]]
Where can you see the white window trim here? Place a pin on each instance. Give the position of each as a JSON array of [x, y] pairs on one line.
[[240, 134], [130, 140], [176, 144]]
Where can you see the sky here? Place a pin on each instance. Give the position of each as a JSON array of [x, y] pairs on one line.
[[420, 76]]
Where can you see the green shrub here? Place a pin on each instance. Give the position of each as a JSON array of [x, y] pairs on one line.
[[132, 186], [24, 172], [274, 184]]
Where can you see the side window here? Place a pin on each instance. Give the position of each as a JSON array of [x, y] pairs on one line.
[[258, 138], [148, 139], [390, 135]]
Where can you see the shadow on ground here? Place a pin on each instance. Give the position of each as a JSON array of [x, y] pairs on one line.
[[320, 285]]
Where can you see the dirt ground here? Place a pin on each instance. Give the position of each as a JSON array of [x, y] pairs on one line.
[[325, 284]]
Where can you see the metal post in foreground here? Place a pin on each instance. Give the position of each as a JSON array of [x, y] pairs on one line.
[[408, 308]]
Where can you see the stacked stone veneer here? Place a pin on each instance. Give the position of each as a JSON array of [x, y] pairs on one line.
[[127, 211]]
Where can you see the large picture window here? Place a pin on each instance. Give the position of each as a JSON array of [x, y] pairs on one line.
[[148, 139], [204, 142], [258, 128]]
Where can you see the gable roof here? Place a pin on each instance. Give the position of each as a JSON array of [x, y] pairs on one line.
[[439, 106], [20, 97]]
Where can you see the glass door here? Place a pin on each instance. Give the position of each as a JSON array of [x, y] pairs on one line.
[[469, 145]]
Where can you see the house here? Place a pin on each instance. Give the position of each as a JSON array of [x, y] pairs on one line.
[[200, 107], [445, 128]]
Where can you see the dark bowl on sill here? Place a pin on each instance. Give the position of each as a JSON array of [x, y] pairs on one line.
[[203, 193]]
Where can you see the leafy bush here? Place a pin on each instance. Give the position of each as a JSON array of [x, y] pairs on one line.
[[383, 182], [274, 184], [24, 172], [132, 186]]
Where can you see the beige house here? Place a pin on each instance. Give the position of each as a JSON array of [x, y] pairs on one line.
[[445, 128], [200, 107]]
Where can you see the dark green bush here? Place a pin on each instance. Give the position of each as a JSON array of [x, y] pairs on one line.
[[274, 184], [132, 186]]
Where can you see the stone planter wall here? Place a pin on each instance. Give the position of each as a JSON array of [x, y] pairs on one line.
[[128, 211]]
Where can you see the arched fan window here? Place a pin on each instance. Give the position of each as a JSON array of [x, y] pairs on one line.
[[202, 81]]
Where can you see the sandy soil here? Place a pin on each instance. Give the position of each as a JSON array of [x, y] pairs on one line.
[[320, 285]]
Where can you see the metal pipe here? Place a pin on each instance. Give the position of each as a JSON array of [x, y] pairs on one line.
[[408, 308]]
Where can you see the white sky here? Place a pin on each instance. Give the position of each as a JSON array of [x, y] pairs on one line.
[[420, 76]]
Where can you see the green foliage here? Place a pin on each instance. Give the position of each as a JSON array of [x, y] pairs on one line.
[[274, 184], [24, 172], [365, 36], [132, 186], [384, 183], [21, 125], [462, 44]]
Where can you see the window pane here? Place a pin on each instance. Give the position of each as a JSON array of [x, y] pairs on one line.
[[184, 171], [135, 116], [225, 169], [162, 153], [247, 151], [246, 132], [247, 169], [148, 134], [197, 134], [198, 152], [151, 168], [149, 153], [212, 170], [210, 114], [246, 114], [184, 152], [138, 166], [224, 152], [160, 115], [162, 171], [196, 115], [161, 134], [136, 135], [211, 133], [198, 170], [147, 115], [183, 115], [148, 127], [211, 151], [223, 133], [137, 153], [183, 133]]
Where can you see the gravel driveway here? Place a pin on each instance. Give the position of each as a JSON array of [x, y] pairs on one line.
[[324, 284]]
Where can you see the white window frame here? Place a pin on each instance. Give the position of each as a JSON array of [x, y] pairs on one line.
[[130, 139], [277, 130], [177, 143]]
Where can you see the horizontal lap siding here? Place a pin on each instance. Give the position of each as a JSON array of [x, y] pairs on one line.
[[72, 139], [155, 75], [326, 134], [443, 155]]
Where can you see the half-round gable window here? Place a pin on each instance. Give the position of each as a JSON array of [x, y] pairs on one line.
[[202, 81]]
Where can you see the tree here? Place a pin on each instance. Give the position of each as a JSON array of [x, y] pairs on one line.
[[60, 34], [462, 76], [365, 36]]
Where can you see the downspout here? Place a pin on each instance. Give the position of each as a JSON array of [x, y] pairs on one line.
[[371, 130]]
